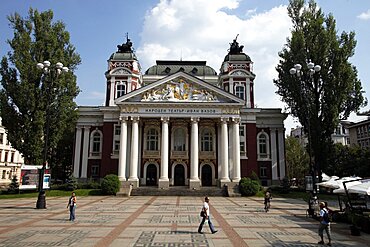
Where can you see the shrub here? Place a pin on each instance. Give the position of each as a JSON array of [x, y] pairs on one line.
[[110, 184], [71, 183], [13, 186], [248, 187]]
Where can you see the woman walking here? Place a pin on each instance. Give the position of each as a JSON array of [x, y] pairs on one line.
[[72, 203]]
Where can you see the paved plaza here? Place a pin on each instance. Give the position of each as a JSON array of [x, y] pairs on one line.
[[163, 221]]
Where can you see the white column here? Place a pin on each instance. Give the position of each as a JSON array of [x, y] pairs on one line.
[[281, 152], [224, 154], [236, 150], [274, 161], [76, 161], [134, 151], [85, 151], [194, 171], [163, 180], [248, 93], [112, 90], [123, 150]]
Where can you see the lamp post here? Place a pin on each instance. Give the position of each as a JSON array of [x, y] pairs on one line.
[[50, 74], [306, 77]]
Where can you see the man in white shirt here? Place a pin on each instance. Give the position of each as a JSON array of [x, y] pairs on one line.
[[324, 223], [206, 216]]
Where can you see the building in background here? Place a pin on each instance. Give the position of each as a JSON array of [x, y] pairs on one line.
[[340, 135], [180, 124], [10, 160], [359, 133]]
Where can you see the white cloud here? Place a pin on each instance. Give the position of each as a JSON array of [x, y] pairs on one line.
[[364, 15], [177, 28]]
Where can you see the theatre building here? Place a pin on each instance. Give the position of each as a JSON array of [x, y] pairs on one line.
[[180, 123]]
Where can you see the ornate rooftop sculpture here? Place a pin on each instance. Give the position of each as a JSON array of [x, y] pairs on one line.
[[125, 47], [235, 48]]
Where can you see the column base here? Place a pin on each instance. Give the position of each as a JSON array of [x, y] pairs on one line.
[[194, 184], [122, 179], [224, 181], [134, 182], [235, 180], [163, 183]]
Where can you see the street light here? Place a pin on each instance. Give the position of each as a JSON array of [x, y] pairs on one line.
[[50, 74], [307, 77]]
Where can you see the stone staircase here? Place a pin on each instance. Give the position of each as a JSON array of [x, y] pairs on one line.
[[178, 191]]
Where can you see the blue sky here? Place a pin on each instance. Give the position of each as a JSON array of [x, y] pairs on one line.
[[191, 30]]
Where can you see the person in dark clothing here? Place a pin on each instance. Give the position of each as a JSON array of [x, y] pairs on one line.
[[72, 203]]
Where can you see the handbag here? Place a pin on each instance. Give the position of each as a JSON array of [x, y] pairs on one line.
[[202, 214]]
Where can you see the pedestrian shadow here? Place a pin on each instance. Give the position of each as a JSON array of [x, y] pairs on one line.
[[17, 207]]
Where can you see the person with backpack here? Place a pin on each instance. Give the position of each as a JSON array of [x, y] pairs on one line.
[[324, 223], [72, 203]]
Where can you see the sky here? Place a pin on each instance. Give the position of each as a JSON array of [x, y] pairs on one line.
[[188, 30]]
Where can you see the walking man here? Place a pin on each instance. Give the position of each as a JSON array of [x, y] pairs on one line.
[[206, 216], [324, 224]]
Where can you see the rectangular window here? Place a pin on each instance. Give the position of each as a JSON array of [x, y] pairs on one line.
[[263, 172], [4, 174], [116, 145], [242, 147], [12, 157], [95, 171], [117, 130], [120, 88], [1, 138]]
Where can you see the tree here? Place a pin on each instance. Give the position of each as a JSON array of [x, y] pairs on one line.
[[29, 100], [321, 100], [297, 159]]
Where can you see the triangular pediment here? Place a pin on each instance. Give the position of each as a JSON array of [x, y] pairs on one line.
[[180, 88]]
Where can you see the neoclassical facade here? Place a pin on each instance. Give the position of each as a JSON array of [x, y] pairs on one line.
[[179, 124]]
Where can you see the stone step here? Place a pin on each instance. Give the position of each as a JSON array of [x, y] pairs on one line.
[[177, 191]]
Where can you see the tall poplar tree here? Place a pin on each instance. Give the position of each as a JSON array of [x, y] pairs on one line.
[[321, 100], [37, 107]]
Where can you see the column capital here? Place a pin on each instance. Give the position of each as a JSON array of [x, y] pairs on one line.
[[123, 118], [135, 119], [87, 127], [165, 119], [194, 119], [224, 119], [236, 120]]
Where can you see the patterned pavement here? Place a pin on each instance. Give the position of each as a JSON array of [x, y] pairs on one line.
[[163, 221]]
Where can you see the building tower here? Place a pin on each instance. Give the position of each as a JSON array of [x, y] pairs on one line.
[[124, 73], [236, 74]]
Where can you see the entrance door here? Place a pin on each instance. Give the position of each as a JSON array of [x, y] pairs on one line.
[[179, 175], [151, 175], [206, 175]]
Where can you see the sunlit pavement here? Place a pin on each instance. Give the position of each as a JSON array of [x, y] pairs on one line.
[[164, 221]]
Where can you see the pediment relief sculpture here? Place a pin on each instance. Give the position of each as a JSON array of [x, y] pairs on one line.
[[180, 90]]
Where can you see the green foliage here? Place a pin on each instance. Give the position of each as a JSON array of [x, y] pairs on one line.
[[255, 177], [297, 159], [13, 186], [31, 101], [71, 183], [285, 185], [348, 161], [110, 184], [320, 100], [248, 187]]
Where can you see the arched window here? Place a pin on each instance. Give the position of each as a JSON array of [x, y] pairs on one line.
[[152, 138], [120, 89], [263, 147], [179, 139], [206, 140], [96, 143], [240, 92]]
